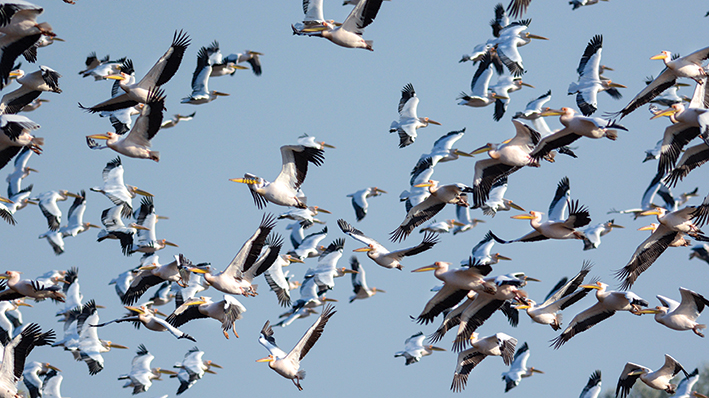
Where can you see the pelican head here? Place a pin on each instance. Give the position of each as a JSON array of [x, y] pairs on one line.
[[658, 211], [427, 121], [498, 256], [673, 110], [665, 55], [111, 344], [368, 248], [109, 137], [533, 36], [435, 266], [598, 286], [532, 215]]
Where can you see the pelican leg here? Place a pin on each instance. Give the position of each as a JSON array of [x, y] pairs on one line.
[[233, 329], [226, 334], [296, 381], [696, 329]]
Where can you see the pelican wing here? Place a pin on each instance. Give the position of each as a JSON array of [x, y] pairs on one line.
[[553, 141], [692, 304], [167, 65], [581, 322], [312, 335], [445, 298], [348, 229], [481, 79], [676, 137], [467, 361], [361, 16], [200, 77], [664, 80], [77, 209], [692, 158], [628, 377], [418, 215], [250, 250], [313, 11], [487, 172], [359, 282], [645, 255], [560, 202], [408, 103], [150, 119], [295, 164], [185, 313], [593, 387], [429, 240], [140, 284], [277, 281]]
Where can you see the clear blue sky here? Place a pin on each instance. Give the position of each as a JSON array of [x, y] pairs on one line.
[[348, 98]]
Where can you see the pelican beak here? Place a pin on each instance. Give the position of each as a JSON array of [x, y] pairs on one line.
[[551, 112], [4, 276], [458, 224], [137, 226], [198, 270], [515, 206], [698, 395], [363, 249], [617, 85], [240, 67], [607, 68], [523, 217], [58, 39], [115, 77], [114, 345], [218, 93], [73, 195], [93, 226], [679, 84], [197, 302], [647, 228], [536, 370], [654, 212], [527, 278], [329, 300], [424, 184], [383, 191], [659, 56], [434, 348], [23, 304], [160, 313], [636, 373], [590, 287], [433, 122], [499, 257], [244, 180], [163, 218], [32, 202], [14, 73], [431, 267], [527, 85], [100, 306], [349, 271], [498, 96], [98, 136], [295, 260], [167, 372], [5, 200], [461, 153], [142, 193], [666, 112], [135, 309], [522, 306], [378, 290], [648, 311], [171, 244], [31, 169], [531, 36], [210, 371], [53, 368], [321, 210], [315, 29], [616, 226], [267, 359], [482, 149], [327, 145]]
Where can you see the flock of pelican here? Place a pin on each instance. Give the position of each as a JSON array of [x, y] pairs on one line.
[[469, 293]]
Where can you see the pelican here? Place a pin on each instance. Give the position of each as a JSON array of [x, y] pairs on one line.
[[31, 86], [314, 17], [592, 235], [159, 74], [442, 227], [163, 294], [359, 200], [680, 316], [310, 297], [14, 179], [518, 368], [463, 220], [480, 94], [238, 276], [16, 352], [701, 252], [76, 223], [137, 143], [685, 386], [414, 349], [419, 190], [326, 271], [18, 288], [145, 315], [152, 273], [30, 376], [308, 214], [504, 86], [309, 141], [147, 237], [443, 150], [118, 192], [10, 315], [176, 118], [558, 224], [609, 302], [15, 133], [687, 220], [279, 281], [309, 246], [533, 111], [100, 68], [589, 82], [200, 79], [115, 229], [232, 61], [511, 37], [72, 290], [20, 33], [499, 344], [359, 283], [496, 201], [192, 368], [670, 96], [141, 375], [689, 66], [441, 195], [5, 212], [284, 190], [408, 121], [51, 384], [226, 311], [692, 158], [658, 380], [288, 365], [379, 254], [505, 159], [563, 295], [349, 34], [592, 389], [482, 251], [575, 127]]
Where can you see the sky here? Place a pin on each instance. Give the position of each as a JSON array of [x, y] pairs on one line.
[[348, 98]]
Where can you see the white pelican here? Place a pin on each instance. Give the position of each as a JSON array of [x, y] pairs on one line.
[[288, 364], [314, 17], [533, 111], [15, 354], [505, 159], [499, 344], [141, 375], [283, 191], [309, 246], [589, 82], [101, 69], [558, 224], [76, 224], [5, 212], [310, 298], [147, 237], [309, 141], [115, 229], [441, 195], [518, 368], [159, 74], [689, 66], [137, 143], [123, 281], [163, 294], [147, 316], [443, 150], [89, 347], [118, 192], [152, 273], [701, 252], [30, 376], [504, 86], [482, 251], [414, 349], [176, 118], [51, 278], [10, 315], [669, 97], [51, 385], [32, 85], [192, 368], [496, 201], [359, 283], [442, 227], [14, 179], [326, 271], [238, 276], [608, 303], [307, 214], [359, 200], [18, 288], [687, 220], [349, 34], [200, 79], [685, 386], [20, 32], [15, 133], [480, 95], [463, 220], [592, 235], [563, 295], [418, 192], [232, 61], [55, 240], [72, 290], [680, 316], [658, 380], [511, 37], [226, 311], [280, 282], [592, 389], [379, 254], [408, 121], [575, 127]]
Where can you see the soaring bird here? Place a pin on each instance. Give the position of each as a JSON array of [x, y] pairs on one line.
[[19, 288], [359, 200], [15, 353], [592, 389], [282, 282], [288, 364], [414, 349], [159, 74], [504, 86], [408, 121], [117, 191], [658, 380], [309, 246], [480, 95], [511, 37], [147, 316], [589, 82], [147, 237], [32, 85], [141, 375], [21, 32], [192, 368], [226, 311], [15, 178], [498, 344], [359, 283], [349, 33], [200, 79], [592, 235], [16, 133], [496, 201], [518, 368], [680, 316], [152, 273], [283, 191]]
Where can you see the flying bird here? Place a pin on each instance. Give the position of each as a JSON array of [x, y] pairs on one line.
[[680, 316], [359, 200], [658, 379], [518, 368], [408, 121], [414, 349]]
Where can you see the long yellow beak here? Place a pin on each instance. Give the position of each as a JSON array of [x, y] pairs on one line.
[[461, 153], [171, 244], [434, 122], [114, 345], [115, 77], [426, 268], [647, 228], [6, 200], [649, 213], [531, 36], [244, 180], [515, 206], [482, 149], [424, 184], [666, 112], [363, 249], [142, 193], [198, 270], [522, 217], [98, 136], [649, 311], [315, 29], [659, 56], [590, 287], [53, 368], [267, 359], [499, 257], [216, 366], [527, 85], [551, 112], [167, 372]]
